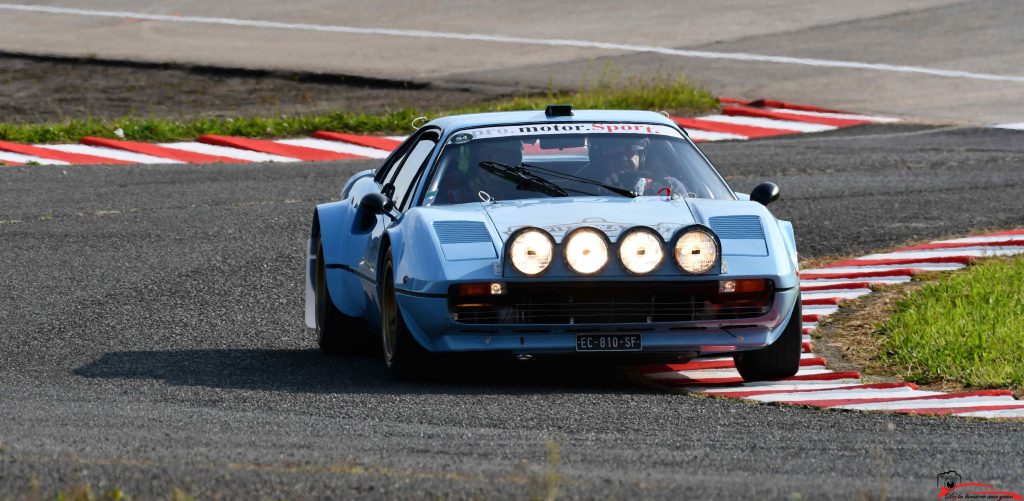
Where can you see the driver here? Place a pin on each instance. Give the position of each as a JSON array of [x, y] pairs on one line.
[[622, 160]]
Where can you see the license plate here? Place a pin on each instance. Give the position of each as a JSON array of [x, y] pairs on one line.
[[608, 342]]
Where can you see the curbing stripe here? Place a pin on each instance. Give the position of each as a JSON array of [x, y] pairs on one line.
[[19, 159], [338, 146], [893, 273], [770, 123], [956, 245], [378, 142], [990, 238], [700, 136], [156, 150], [825, 282], [810, 287], [67, 157], [837, 294], [972, 252], [917, 267], [242, 155], [274, 148], [771, 103], [831, 301], [964, 260], [847, 116], [1003, 233], [792, 117], [715, 363], [741, 393], [994, 414], [724, 128], [109, 153]]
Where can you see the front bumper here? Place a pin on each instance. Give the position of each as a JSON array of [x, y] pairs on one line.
[[428, 319]]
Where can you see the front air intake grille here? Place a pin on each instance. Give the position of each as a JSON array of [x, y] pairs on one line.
[[737, 227], [461, 232], [610, 303]]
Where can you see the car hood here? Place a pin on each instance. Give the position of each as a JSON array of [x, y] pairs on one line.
[[559, 216]]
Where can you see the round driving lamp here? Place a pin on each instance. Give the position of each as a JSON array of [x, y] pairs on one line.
[[586, 251], [641, 251], [531, 251], [695, 251]]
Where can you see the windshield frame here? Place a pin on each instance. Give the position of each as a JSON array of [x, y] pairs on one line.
[[427, 177]]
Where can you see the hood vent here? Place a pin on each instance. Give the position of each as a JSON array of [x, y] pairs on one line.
[[461, 232], [737, 227]]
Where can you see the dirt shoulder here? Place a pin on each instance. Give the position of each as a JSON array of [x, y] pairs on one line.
[[48, 89]]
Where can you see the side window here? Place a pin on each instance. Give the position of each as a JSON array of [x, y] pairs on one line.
[[385, 171], [407, 171]]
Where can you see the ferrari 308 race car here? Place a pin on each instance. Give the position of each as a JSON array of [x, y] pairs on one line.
[[553, 233]]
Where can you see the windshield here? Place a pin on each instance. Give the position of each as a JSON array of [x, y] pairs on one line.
[[646, 160]]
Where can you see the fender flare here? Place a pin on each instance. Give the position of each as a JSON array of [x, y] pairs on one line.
[[328, 222]]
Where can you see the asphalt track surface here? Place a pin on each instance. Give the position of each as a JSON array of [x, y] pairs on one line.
[[153, 339]]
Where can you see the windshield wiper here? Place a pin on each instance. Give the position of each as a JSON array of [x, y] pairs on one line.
[[569, 177], [521, 171], [524, 179]]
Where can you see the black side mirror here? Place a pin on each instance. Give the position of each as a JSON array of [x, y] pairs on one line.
[[765, 193], [371, 206], [375, 203]]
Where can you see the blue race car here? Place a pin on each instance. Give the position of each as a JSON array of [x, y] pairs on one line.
[[557, 232]]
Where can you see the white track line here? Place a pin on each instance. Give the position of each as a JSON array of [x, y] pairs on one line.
[[846, 116], [98, 151], [336, 146], [550, 42], [769, 123], [397, 138], [18, 157], [705, 135], [224, 151], [1014, 126]]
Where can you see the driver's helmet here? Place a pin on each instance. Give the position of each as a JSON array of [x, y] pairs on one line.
[[617, 154]]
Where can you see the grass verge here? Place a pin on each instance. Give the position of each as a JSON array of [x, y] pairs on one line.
[[966, 328], [674, 95]]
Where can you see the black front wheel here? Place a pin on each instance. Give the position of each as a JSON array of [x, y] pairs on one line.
[[404, 356], [779, 360]]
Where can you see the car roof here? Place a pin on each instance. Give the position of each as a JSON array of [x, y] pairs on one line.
[[455, 122]]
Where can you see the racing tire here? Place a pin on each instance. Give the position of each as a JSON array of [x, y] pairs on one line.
[[336, 333], [403, 355], [779, 360]]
